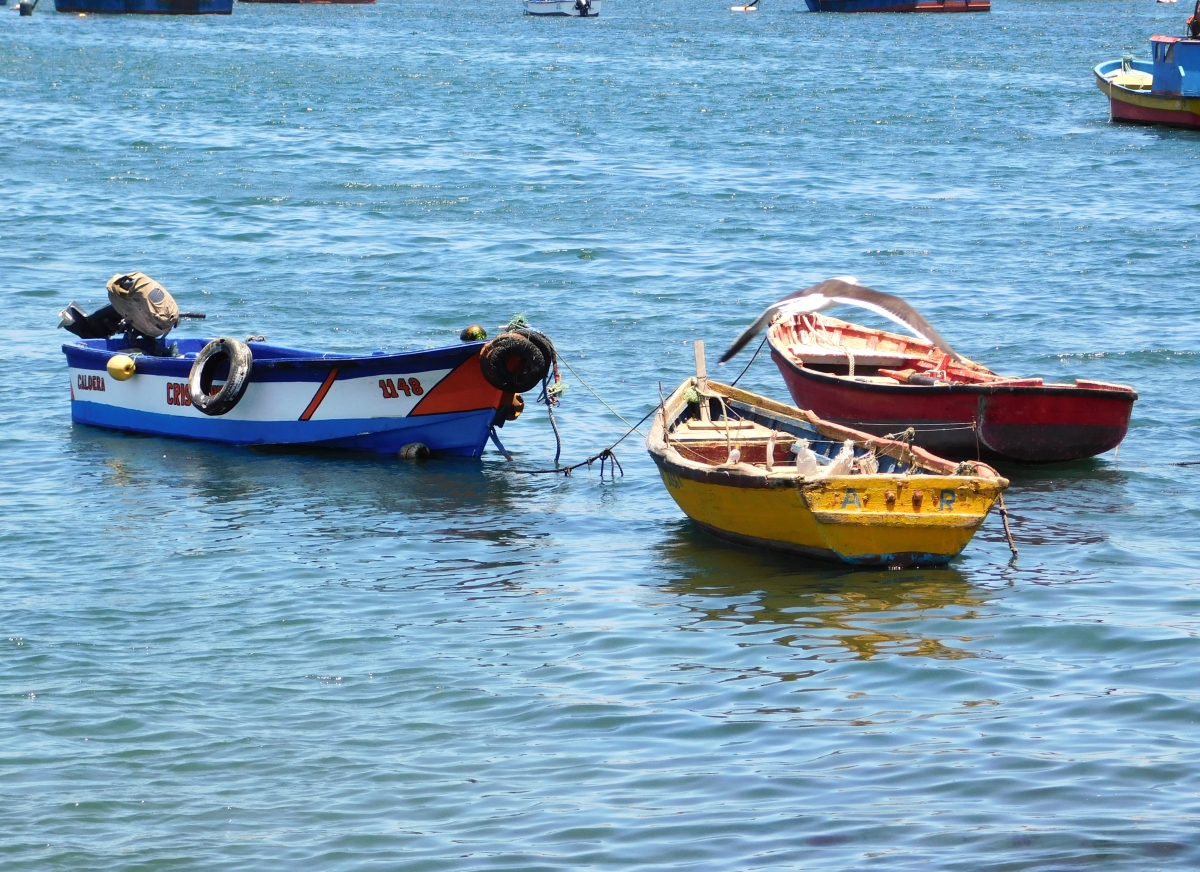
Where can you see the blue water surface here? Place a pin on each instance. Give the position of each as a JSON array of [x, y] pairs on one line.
[[220, 659]]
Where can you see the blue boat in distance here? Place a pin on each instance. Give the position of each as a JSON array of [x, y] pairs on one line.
[[899, 5], [147, 7], [1163, 90]]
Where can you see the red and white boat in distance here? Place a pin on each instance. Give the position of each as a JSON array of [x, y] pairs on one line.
[[884, 382], [899, 5]]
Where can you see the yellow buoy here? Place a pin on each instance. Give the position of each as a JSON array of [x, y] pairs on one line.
[[121, 367]]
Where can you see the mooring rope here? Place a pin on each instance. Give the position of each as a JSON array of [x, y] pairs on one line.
[[747, 367], [596, 395], [1012, 545], [549, 396], [607, 456]]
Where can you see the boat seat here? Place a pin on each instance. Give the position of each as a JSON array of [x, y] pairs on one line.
[[862, 357], [1134, 80], [719, 425], [708, 431]]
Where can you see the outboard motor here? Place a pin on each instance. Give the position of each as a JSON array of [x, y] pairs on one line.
[[101, 324], [138, 306], [583, 7]]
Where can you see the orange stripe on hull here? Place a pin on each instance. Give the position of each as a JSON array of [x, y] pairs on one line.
[[463, 390], [319, 396]]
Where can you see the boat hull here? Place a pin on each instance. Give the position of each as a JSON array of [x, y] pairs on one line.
[[1145, 107], [830, 521], [899, 5], [146, 7], [378, 403], [1047, 424], [561, 8]]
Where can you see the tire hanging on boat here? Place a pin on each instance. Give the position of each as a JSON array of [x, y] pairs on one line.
[[514, 362], [543, 343], [215, 355]]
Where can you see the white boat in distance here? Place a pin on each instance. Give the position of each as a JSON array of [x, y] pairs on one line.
[[563, 8]]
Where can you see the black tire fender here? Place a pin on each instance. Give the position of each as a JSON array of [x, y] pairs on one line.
[[218, 353], [513, 363], [542, 341]]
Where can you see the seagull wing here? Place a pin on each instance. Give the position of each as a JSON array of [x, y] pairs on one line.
[[817, 301], [835, 292]]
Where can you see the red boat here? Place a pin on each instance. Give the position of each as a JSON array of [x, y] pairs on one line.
[[885, 383]]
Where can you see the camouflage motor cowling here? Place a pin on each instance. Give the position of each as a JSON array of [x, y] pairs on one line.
[[144, 303]]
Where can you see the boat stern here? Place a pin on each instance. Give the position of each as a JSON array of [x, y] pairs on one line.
[[900, 520]]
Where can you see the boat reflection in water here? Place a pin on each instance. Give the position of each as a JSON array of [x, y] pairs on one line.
[[298, 503], [826, 613]]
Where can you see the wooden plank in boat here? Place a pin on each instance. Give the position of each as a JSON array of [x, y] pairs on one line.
[[863, 357], [719, 425]]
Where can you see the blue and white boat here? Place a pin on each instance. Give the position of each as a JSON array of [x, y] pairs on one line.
[[380, 402], [563, 8]]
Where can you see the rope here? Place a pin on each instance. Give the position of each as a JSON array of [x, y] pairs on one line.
[[600, 398], [906, 437], [1012, 545], [920, 428], [549, 396], [756, 351], [607, 456], [500, 445], [903, 436]]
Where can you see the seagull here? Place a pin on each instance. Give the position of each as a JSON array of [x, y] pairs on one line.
[[844, 291]]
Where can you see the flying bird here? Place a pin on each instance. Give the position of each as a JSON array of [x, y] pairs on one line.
[[845, 291]]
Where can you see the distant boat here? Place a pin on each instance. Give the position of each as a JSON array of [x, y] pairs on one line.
[[1163, 90], [763, 474], [146, 7], [316, 2], [563, 8], [899, 5]]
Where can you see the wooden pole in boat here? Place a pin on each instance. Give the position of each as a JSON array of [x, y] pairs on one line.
[[702, 380]]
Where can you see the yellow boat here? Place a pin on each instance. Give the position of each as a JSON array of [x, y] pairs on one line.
[[761, 473]]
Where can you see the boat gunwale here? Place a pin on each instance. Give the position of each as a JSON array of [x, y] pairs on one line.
[[782, 352], [668, 458], [304, 360], [1102, 70]]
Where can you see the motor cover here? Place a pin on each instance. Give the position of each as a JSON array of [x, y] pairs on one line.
[[144, 303]]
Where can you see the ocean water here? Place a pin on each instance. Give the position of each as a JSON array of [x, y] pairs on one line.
[[218, 658]]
